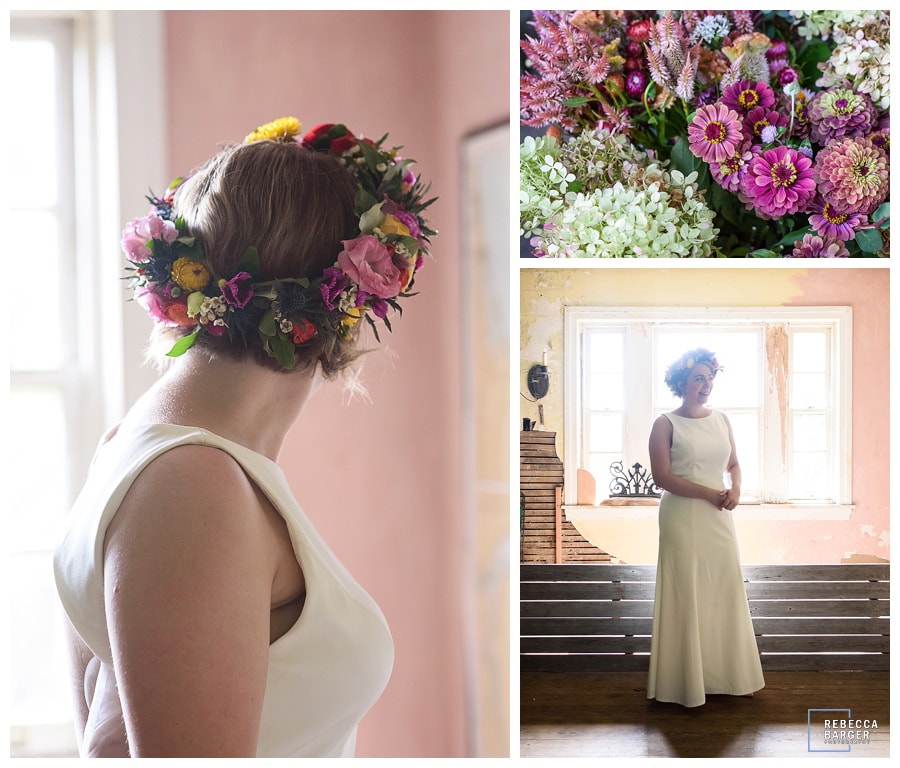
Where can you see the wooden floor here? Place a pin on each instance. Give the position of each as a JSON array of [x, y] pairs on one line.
[[594, 715]]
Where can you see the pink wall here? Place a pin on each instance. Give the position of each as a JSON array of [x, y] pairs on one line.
[[380, 479]]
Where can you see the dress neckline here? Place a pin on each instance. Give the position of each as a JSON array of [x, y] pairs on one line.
[[693, 418]]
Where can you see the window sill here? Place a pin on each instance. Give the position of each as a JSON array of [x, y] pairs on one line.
[[646, 510]]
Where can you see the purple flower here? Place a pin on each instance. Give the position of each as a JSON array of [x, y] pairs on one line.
[[744, 95], [768, 134], [332, 286], [777, 50], [840, 112], [829, 223], [238, 290], [728, 173], [715, 133], [814, 247], [635, 82], [379, 307], [409, 221], [778, 181], [759, 118], [787, 75]]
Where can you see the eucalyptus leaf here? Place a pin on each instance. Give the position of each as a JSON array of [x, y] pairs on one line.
[[183, 344], [883, 211], [869, 240]]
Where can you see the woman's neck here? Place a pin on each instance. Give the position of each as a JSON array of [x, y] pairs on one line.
[[692, 410], [240, 401]]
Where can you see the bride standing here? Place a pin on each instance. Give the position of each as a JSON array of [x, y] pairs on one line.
[[703, 640]]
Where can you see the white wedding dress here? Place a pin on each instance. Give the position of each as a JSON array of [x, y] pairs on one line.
[[324, 674], [703, 640]]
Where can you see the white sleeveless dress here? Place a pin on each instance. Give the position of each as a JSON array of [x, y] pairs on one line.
[[324, 673], [703, 640]]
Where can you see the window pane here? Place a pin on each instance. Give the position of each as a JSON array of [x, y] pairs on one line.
[[35, 336], [606, 392], [34, 163], [605, 433], [809, 390], [745, 427], [809, 476], [37, 477], [808, 352], [605, 351], [810, 432], [598, 466]]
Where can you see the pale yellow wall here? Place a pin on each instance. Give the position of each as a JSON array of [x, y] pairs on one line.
[[546, 292]]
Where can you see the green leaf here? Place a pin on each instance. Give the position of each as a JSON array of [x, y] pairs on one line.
[[249, 262], [685, 160], [869, 240], [792, 237], [183, 344], [575, 101], [762, 253], [283, 350], [883, 211], [267, 324], [810, 55]]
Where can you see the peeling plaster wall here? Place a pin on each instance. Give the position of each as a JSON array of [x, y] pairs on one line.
[[865, 537]]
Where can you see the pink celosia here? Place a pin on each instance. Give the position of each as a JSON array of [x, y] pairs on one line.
[[715, 133], [778, 181], [852, 175]]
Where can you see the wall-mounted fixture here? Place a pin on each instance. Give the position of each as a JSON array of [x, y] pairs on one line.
[[538, 381]]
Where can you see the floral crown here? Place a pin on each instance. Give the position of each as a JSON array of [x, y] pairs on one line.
[[175, 283], [678, 371]]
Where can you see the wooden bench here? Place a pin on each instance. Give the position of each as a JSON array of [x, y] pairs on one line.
[[598, 617]]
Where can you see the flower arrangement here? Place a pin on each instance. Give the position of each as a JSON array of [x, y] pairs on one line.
[[677, 372], [176, 285], [706, 133]]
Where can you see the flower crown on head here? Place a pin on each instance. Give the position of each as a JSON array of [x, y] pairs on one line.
[[175, 283], [677, 372]]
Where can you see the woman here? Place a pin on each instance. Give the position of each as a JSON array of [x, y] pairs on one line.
[[703, 640], [209, 618]]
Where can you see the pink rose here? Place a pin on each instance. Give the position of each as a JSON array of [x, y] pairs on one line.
[[139, 232], [369, 264], [166, 311]]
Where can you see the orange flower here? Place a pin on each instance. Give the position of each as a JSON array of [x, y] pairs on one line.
[[303, 330]]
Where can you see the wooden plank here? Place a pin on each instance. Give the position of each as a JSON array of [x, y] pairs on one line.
[[823, 644], [585, 663], [586, 608], [856, 662], [607, 645], [611, 572], [819, 626], [558, 519], [584, 591], [569, 626], [818, 590], [818, 608], [842, 572]]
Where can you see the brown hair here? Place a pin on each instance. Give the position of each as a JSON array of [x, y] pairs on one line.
[[290, 203]]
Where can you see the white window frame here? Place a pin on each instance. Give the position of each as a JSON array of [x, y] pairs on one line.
[[776, 452], [116, 148]]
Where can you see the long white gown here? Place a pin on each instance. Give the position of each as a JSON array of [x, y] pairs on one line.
[[703, 640]]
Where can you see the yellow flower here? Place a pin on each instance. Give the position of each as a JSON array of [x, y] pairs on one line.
[[352, 316], [393, 226], [689, 363], [189, 275], [282, 129]]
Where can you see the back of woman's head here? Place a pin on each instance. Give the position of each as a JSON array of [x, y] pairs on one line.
[[293, 206]]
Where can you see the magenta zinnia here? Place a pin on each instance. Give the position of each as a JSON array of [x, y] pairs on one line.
[[745, 95], [715, 133], [852, 175], [840, 112], [778, 181], [829, 223]]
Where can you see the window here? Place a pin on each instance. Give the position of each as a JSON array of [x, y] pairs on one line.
[[785, 387]]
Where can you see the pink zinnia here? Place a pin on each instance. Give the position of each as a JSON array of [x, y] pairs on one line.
[[852, 174], [778, 181], [815, 247], [728, 173], [743, 96], [715, 133]]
